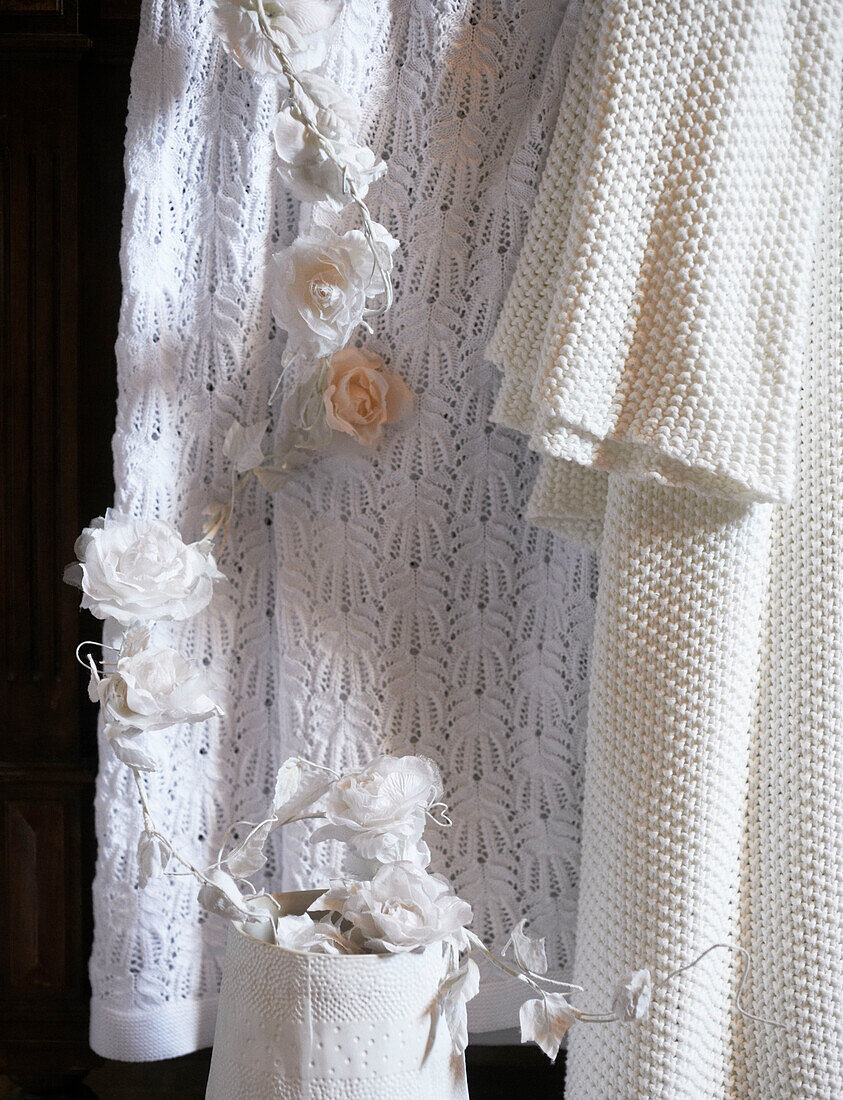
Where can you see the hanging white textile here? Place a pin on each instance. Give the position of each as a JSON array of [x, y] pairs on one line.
[[395, 602], [666, 351]]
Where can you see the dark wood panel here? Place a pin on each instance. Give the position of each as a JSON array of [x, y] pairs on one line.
[[38, 207], [30, 6], [36, 855], [31, 20], [63, 95]]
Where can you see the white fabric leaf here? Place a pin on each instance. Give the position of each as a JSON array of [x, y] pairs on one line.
[[287, 783], [530, 953], [153, 857], [93, 683], [303, 933], [222, 896], [632, 996], [243, 445], [130, 746], [545, 1021], [455, 991], [273, 477], [248, 857], [297, 786]]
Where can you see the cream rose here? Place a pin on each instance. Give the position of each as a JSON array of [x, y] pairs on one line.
[[361, 396], [139, 569], [302, 27], [323, 283], [403, 908]]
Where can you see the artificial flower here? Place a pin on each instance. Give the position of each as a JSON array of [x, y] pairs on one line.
[[301, 28], [150, 689], [380, 810], [319, 937], [631, 1000], [139, 569], [323, 282], [403, 908], [361, 395], [314, 173]]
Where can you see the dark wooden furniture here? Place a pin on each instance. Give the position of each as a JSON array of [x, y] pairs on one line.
[[64, 68]]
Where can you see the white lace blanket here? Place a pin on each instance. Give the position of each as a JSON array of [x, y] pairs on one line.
[[398, 603]]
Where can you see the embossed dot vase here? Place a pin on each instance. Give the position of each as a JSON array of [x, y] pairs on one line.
[[297, 1026]]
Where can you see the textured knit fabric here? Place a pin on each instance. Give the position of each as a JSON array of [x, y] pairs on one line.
[[657, 315], [398, 602], [652, 350], [792, 906], [673, 676]]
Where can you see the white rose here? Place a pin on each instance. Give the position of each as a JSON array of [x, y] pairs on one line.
[[323, 281], [402, 908], [380, 811], [139, 569], [308, 170], [302, 28], [152, 689]]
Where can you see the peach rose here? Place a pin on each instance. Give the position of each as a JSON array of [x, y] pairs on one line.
[[361, 396]]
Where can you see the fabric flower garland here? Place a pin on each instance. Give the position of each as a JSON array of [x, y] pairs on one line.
[[136, 573], [325, 284]]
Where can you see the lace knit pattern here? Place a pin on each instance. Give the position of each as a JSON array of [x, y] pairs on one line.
[[394, 602]]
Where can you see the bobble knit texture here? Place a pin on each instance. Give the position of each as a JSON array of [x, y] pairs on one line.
[[657, 317], [671, 345]]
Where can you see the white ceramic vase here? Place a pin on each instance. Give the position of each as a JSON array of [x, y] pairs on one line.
[[294, 1026]]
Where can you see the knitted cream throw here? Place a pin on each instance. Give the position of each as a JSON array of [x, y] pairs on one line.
[[652, 349]]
